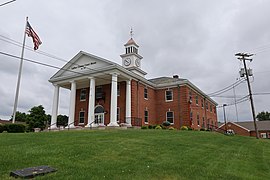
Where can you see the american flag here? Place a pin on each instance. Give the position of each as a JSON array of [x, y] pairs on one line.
[[31, 33]]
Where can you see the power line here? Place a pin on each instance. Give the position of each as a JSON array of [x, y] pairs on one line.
[[51, 66], [16, 43], [238, 82]]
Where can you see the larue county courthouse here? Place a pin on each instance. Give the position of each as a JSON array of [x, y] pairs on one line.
[[104, 93]]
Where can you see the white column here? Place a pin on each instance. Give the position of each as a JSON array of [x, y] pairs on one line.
[[91, 108], [113, 114], [55, 106], [72, 104], [128, 103]]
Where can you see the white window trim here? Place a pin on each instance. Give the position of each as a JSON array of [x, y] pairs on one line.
[[80, 117], [197, 100], [144, 93], [147, 116], [172, 116], [85, 94], [166, 96]]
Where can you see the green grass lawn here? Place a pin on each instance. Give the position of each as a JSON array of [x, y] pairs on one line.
[[136, 154]]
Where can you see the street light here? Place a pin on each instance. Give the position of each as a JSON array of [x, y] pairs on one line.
[[225, 117]]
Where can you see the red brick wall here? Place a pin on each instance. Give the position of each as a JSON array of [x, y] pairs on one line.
[[155, 104], [210, 116], [237, 130], [139, 104]]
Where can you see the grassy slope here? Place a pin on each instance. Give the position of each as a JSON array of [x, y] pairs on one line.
[[137, 154]]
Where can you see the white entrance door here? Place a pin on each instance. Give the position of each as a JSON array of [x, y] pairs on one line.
[[99, 118]]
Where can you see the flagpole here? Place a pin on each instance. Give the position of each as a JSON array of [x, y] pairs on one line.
[[19, 76]]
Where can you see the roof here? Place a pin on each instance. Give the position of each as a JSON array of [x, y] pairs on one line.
[[130, 42], [162, 80], [261, 125], [249, 125]]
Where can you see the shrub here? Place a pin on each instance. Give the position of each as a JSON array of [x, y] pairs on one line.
[[202, 129], [158, 127], [154, 126], [166, 123], [15, 128], [1, 128], [144, 127], [171, 128], [184, 128], [150, 127], [190, 129]]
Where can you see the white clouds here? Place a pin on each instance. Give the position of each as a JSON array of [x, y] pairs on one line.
[[196, 39]]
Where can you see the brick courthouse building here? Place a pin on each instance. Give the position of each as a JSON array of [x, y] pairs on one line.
[[104, 93]]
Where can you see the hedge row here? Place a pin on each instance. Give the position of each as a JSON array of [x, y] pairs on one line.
[[12, 128]]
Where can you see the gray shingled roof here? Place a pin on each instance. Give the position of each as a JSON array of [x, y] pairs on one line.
[[261, 125], [162, 80]]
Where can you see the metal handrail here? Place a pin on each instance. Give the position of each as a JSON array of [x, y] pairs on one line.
[[90, 125], [70, 124], [49, 128]]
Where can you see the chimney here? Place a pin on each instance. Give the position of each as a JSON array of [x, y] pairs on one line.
[[175, 76]]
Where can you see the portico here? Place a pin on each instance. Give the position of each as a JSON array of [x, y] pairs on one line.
[[86, 109]]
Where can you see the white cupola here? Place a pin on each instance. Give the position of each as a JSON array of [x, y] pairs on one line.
[[131, 60]]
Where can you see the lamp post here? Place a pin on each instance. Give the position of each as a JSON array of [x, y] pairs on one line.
[[225, 117]]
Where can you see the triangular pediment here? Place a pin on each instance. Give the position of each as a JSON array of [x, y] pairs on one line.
[[82, 64]]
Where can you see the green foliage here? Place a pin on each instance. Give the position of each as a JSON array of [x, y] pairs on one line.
[[37, 118], [1, 128], [166, 123], [62, 120], [150, 127], [202, 129], [21, 117], [158, 127], [190, 129], [15, 128], [144, 127], [184, 128], [171, 128], [263, 116]]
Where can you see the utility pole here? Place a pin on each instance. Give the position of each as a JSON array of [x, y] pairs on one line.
[[225, 117], [245, 57]]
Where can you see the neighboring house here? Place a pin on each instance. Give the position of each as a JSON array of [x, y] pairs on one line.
[[104, 93], [247, 128]]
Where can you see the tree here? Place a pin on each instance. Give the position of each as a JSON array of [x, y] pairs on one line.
[[21, 117], [37, 118], [62, 120], [263, 116]]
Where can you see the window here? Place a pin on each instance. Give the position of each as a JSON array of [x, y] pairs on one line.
[[202, 103], [118, 114], [169, 116], [206, 104], [81, 117], [145, 93], [197, 100], [83, 95], [211, 108], [191, 115], [118, 89], [263, 135], [203, 124], [146, 116], [198, 119], [169, 95], [190, 96]]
